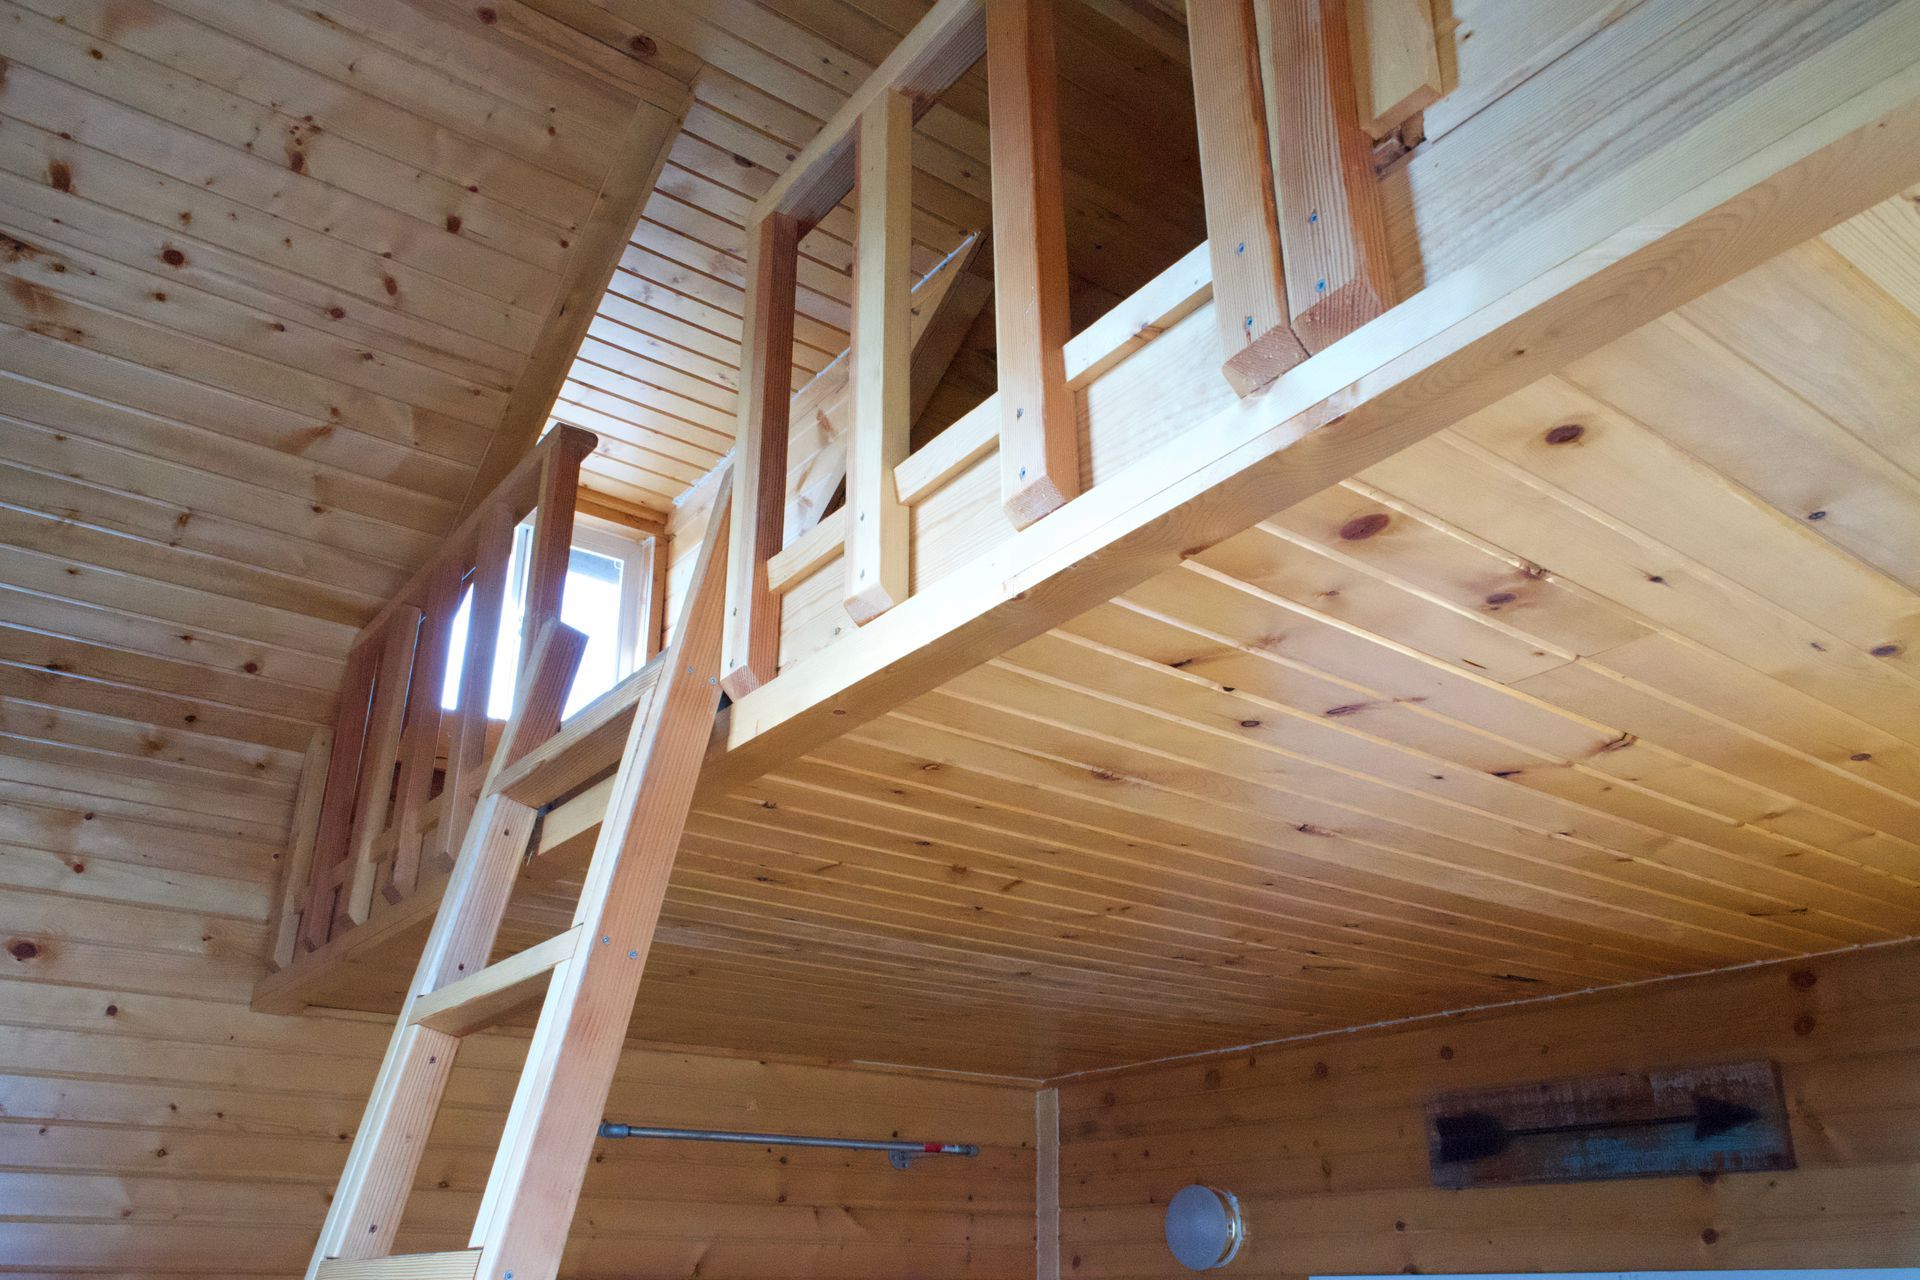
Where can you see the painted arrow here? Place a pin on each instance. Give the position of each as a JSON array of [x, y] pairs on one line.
[[1475, 1135]]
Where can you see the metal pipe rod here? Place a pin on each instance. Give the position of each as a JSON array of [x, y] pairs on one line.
[[610, 1130]]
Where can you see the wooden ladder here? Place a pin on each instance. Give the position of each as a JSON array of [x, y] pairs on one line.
[[591, 972]]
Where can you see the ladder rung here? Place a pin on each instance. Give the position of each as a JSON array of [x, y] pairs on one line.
[[586, 746], [462, 1264], [481, 999]]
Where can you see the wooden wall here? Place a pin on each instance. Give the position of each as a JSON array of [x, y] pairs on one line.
[[1324, 1139], [150, 1123]]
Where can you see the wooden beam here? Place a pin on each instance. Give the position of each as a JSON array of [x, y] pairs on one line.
[[1046, 1188], [1039, 438], [459, 1264], [876, 521], [750, 652], [480, 1000], [373, 795], [365, 1212], [1396, 64], [535, 1183], [1333, 237], [1130, 327], [631, 174], [822, 410], [551, 548], [942, 45], [284, 928], [1236, 175], [336, 806], [1798, 153]]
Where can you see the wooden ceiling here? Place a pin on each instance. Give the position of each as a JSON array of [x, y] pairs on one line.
[[659, 371], [1522, 710], [271, 275], [1614, 681]]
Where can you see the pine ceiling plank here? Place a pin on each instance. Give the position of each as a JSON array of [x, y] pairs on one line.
[[50, 261]]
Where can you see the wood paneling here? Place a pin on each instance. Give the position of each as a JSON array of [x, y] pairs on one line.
[[153, 1125], [272, 275], [1584, 690], [1324, 1140], [659, 376]]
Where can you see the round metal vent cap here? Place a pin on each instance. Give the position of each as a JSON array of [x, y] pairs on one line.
[[1204, 1227]]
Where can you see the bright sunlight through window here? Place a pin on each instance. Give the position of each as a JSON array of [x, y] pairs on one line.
[[602, 601]]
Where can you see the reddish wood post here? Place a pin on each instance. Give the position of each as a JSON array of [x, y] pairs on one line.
[[374, 791], [1332, 231], [1039, 437], [422, 738], [552, 544], [466, 754], [336, 809], [1236, 173], [750, 652]]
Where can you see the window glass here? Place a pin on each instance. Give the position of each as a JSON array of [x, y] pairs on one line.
[[601, 600]]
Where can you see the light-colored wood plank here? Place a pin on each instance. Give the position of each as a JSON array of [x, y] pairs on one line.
[[758, 514], [1039, 442], [481, 999], [460, 1264], [1332, 231], [1243, 227], [1396, 65], [876, 519]]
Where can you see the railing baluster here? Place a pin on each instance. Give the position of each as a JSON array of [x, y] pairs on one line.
[[392, 680], [1332, 230], [876, 520], [750, 651], [423, 729], [336, 810], [1039, 438], [552, 544], [1236, 172], [466, 755]]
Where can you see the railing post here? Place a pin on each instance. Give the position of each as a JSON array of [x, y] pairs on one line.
[[1236, 177], [1332, 230], [1039, 438], [336, 810], [750, 652], [552, 543], [466, 753], [392, 679], [421, 743], [876, 520]]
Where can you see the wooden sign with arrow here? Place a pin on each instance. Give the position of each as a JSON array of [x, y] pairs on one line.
[[1722, 1119]]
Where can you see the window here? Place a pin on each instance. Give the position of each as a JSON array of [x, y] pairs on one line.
[[604, 599]]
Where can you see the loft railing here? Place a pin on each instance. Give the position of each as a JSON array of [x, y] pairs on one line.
[[402, 773], [1289, 110]]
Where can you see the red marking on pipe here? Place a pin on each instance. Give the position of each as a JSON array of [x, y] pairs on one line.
[[932, 1148]]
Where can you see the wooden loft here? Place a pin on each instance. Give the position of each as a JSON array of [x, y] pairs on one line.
[[1438, 660], [1270, 561]]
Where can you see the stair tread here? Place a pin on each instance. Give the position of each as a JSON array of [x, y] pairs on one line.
[[481, 999], [460, 1264]]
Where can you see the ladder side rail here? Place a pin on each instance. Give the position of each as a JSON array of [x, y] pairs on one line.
[[380, 1168], [545, 1150]]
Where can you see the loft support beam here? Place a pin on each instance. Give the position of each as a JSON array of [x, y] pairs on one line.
[[1796, 154], [1039, 437], [1333, 236], [750, 652], [1236, 174], [876, 519]]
